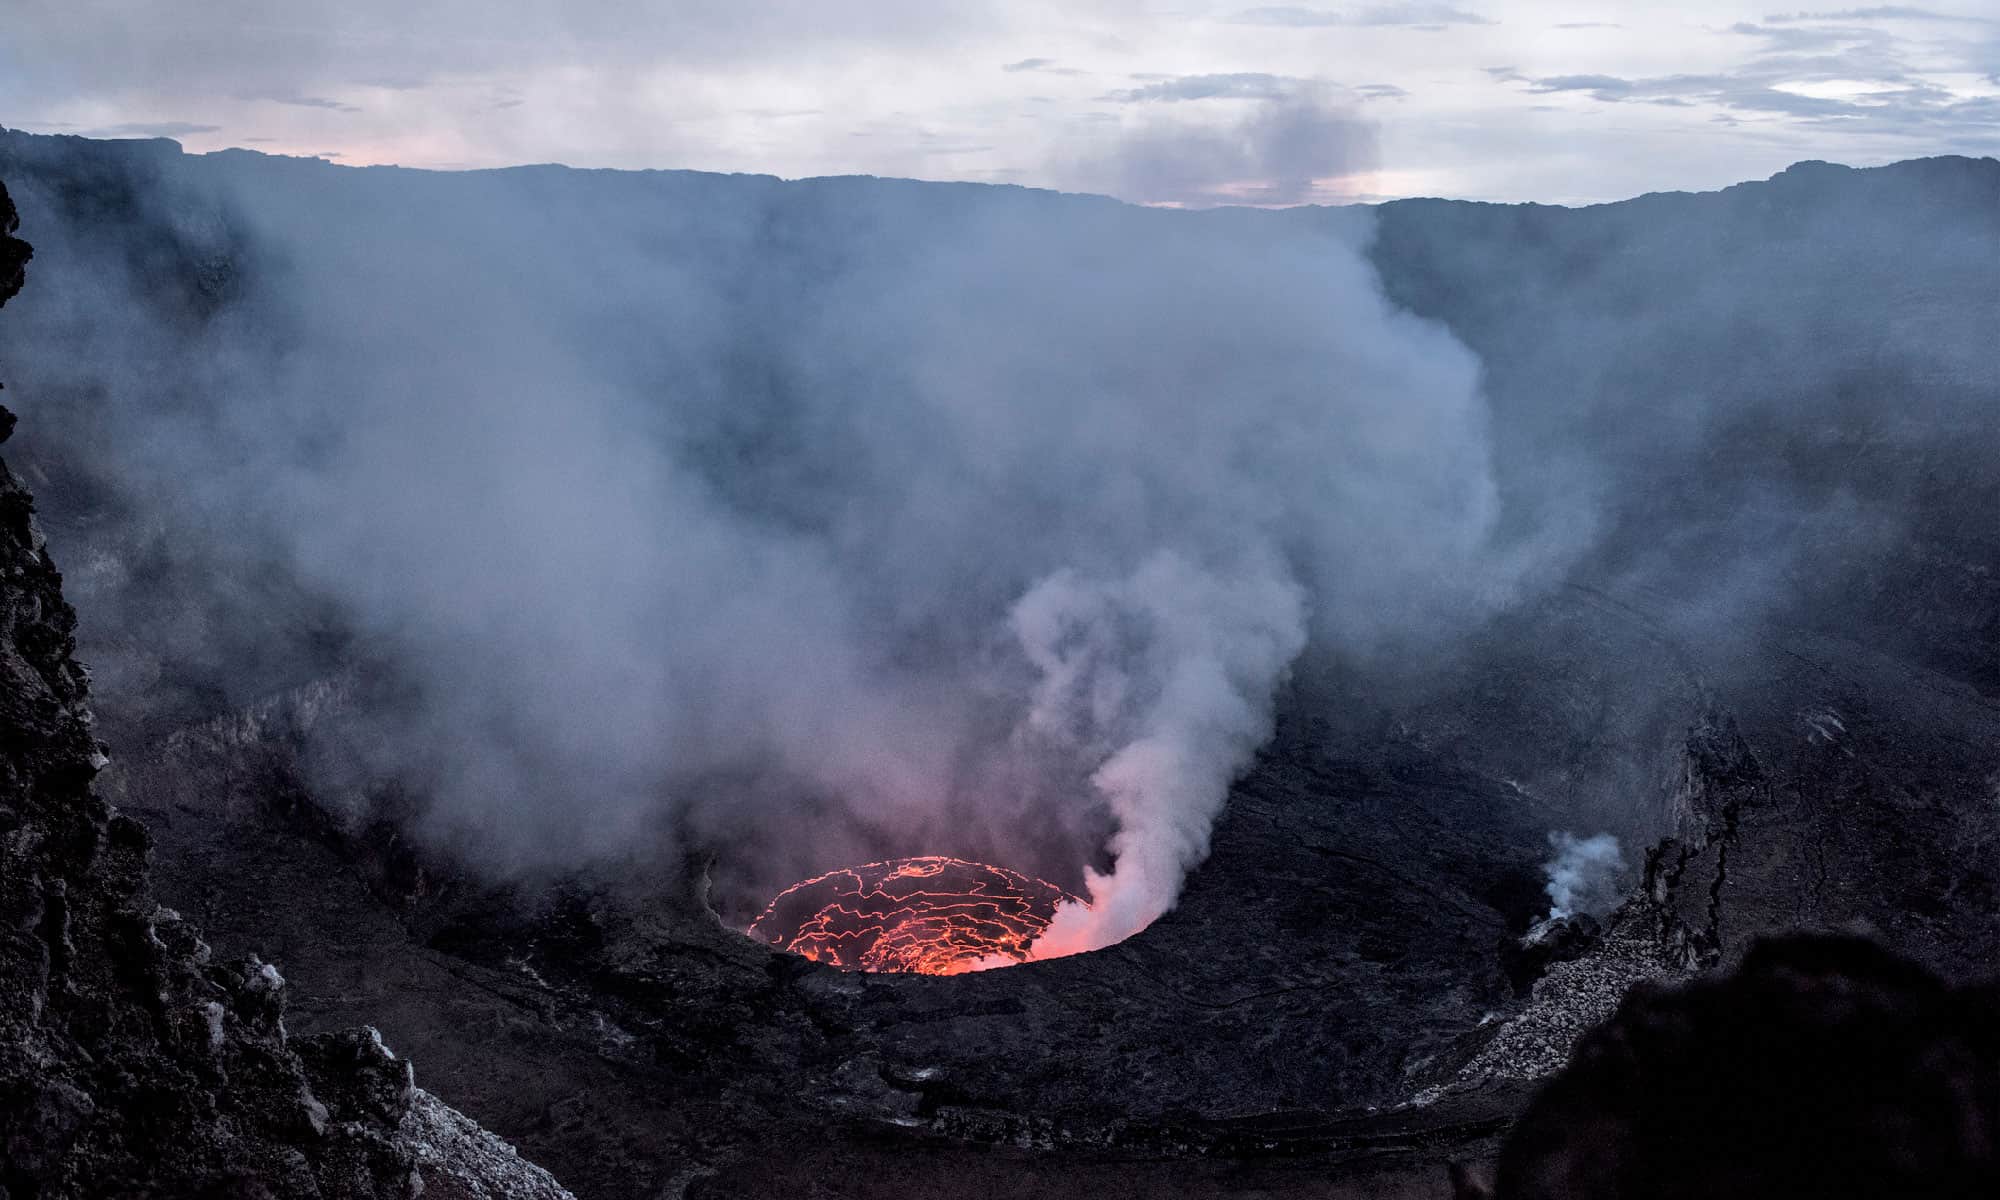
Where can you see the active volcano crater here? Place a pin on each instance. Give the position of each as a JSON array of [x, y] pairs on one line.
[[930, 915]]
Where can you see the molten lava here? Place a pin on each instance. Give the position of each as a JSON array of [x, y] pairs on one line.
[[933, 916]]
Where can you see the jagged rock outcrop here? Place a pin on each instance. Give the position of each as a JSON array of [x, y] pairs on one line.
[[135, 1061], [14, 256], [1824, 1066], [14, 253]]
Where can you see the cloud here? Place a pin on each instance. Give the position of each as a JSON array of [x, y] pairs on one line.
[[1853, 79], [151, 129], [1419, 16], [1241, 85], [319, 49], [1600, 87], [1811, 38], [1294, 147], [1885, 12], [1040, 66], [311, 102]]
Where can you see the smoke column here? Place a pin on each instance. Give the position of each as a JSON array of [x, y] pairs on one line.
[[1216, 647], [824, 521], [1583, 874]]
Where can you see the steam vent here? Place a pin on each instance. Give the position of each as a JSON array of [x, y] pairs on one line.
[[930, 916]]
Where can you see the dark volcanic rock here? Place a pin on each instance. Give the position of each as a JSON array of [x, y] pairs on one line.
[[14, 256], [1558, 940], [134, 1062], [14, 253], [1825, 1066]]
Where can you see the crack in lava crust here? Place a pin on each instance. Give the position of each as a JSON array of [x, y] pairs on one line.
[[931, 916]]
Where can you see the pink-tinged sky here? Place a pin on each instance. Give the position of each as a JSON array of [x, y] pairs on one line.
[[1189, 103]]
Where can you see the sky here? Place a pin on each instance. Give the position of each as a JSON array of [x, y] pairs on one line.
[[1192, 103]]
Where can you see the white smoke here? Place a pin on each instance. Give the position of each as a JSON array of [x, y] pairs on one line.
[[829, 521], [1583, 875], [1168, 716]]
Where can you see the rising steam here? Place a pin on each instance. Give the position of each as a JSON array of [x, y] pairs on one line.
[[825, 521], [1169, 717], [1583, 874]]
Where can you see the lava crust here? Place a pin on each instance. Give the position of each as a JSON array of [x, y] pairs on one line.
[[930, 916]]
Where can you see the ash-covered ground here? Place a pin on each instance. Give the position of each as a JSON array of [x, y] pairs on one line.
[[1767, 666]]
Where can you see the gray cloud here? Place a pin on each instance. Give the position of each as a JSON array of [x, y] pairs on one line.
[[1886, 12], [95, 46], [1600, 87], [1897, 100], [1795, 39], [1275, 154], [1417, 15], [1239, 85], [311, 102], [1042, 66], [1892, 109], [150, 129]]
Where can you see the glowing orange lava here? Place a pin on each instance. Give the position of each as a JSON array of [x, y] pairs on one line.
[[933, 916]]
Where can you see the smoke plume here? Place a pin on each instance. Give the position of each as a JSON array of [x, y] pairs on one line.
[[1583, 875], [815, 522]]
